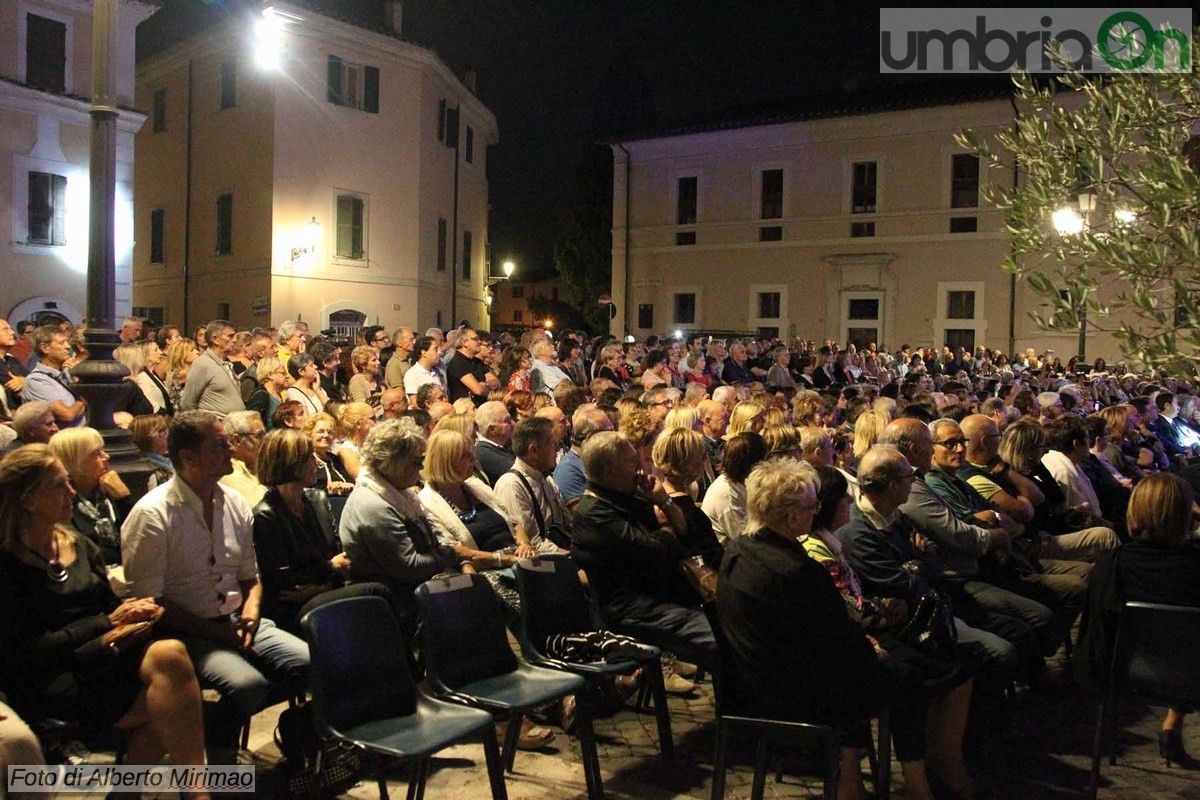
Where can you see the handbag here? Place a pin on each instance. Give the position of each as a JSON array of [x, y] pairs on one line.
[[930, 628], [702, 577]]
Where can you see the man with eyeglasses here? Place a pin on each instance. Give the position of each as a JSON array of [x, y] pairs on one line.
[[880, 543], [246, 431], [375, 336]]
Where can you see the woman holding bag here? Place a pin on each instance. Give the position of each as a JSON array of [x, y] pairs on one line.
[[74, 650]]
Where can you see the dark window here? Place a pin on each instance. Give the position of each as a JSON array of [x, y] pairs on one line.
[[351, 220], [47, 208], [960, 305], [452, 116], [439, 318], [685, 238], [45, 54], [222, 310], [160, 110], [768, 305], [861, 337], [862, 189], [686, 202], [157, 231], [768, 333], [518, 290], [964, 181], [228, 84], [156, 314], [470, 145], [441, 246], [466, 256], [646, 315], [352, 85], [961, 337], [442, 120], [772, 194], [224, 224], [861, 229], [518, 315], [862, 308], [685, 309], [964, 224], [772, 233]]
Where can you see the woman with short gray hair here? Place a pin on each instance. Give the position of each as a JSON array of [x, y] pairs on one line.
[[384, 529]]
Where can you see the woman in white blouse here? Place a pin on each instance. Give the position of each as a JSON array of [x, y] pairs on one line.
[[725, 500]]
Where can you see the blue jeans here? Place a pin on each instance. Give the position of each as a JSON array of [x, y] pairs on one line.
[[276, 661], [681, 630]]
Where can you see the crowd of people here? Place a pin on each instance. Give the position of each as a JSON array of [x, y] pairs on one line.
[[816, 500]]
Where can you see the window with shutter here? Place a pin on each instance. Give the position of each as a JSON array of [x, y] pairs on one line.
[[225, 224], [466, 256], [228, 84], [351, 217], [47, 209], [441, 246], [352, 85], [157, 231], [45, 54]]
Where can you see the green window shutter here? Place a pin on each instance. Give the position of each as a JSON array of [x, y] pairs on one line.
[[371, 89], [333, 73]]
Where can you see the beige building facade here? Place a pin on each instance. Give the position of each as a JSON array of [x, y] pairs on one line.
[[322, 188], [864, 226], [45, 133]]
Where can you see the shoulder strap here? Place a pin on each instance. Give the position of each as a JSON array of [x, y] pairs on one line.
[[537, 507]]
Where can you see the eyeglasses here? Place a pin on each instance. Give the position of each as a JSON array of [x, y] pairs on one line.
[[952, 444], [381, 340]]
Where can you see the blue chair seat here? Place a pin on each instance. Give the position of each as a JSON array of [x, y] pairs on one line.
[[433, 726], [524, 687]]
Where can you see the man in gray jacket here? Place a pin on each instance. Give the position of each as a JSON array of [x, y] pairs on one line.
[[211, 384]]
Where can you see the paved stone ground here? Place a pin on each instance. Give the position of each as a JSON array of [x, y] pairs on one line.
[[1035, 747]]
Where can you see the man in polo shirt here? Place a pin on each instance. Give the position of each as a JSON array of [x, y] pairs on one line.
[[50, 382], [189, 544], [402, 342], [211, 384]]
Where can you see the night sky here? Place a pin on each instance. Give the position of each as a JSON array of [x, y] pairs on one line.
[[561, 75]]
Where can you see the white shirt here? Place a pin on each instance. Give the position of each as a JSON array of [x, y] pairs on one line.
[[169, 552], [518, 505], [725, 505], [417, 376], [1070, 478]]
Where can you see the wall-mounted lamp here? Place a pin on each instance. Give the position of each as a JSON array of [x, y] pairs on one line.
[[310, 237]]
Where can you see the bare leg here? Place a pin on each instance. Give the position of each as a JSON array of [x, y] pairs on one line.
[[144, 745], [947, 718], [916, 784], [850, 783]]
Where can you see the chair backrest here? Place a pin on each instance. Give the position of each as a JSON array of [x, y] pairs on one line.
[[358, 670], [1155, 651], [464, 634], [552, 601], [726, 694]]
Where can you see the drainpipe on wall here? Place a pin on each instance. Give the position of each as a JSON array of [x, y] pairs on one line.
[[187, 212], [628, 280], [1012, 278]]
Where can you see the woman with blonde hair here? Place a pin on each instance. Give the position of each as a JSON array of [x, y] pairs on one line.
[[101, 499], [775, 416], [808, 410], [679, 456], [867, 428], [747, 416], [640, 427], [783, 441], [682, 417], [180, 356], [272, 380], [239, 352], [364, 366], [1160, 565], [74, 650], [354, 423]]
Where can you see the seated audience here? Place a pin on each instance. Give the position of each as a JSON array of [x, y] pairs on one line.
[[725, 501], [149, 433], [74, 651], [494, 427], [245, 431]]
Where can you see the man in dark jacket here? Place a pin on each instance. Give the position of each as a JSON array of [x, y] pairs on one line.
[[632, 560]]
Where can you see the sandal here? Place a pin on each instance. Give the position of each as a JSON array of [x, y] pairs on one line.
[[533, 736], [569, 711]]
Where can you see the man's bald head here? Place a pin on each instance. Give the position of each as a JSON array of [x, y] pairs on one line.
[[912, 439], [983, 438]]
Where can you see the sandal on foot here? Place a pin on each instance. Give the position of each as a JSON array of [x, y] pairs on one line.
[[534, 737]]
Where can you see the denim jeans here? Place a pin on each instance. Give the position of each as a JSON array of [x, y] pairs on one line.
[[276, 661]]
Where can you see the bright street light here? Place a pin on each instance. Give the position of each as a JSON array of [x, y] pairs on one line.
[[508, 268], [1067, 221]]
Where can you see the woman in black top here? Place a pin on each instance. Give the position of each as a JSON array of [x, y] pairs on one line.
[[73, 650], [299, 556], [102, 500], [1160, 565], [680, 456]]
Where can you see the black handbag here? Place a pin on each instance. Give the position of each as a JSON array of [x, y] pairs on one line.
[[930, 628]]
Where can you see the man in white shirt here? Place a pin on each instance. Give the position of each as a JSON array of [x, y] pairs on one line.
[[189, 544], [546, 375], [427, 369]]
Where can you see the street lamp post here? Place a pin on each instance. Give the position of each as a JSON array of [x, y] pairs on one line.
[[1071, 222]]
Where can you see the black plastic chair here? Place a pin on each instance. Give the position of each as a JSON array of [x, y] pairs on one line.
[[731, 717], [364, 695], [553, 602], [1154, 655], [468, 660]]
